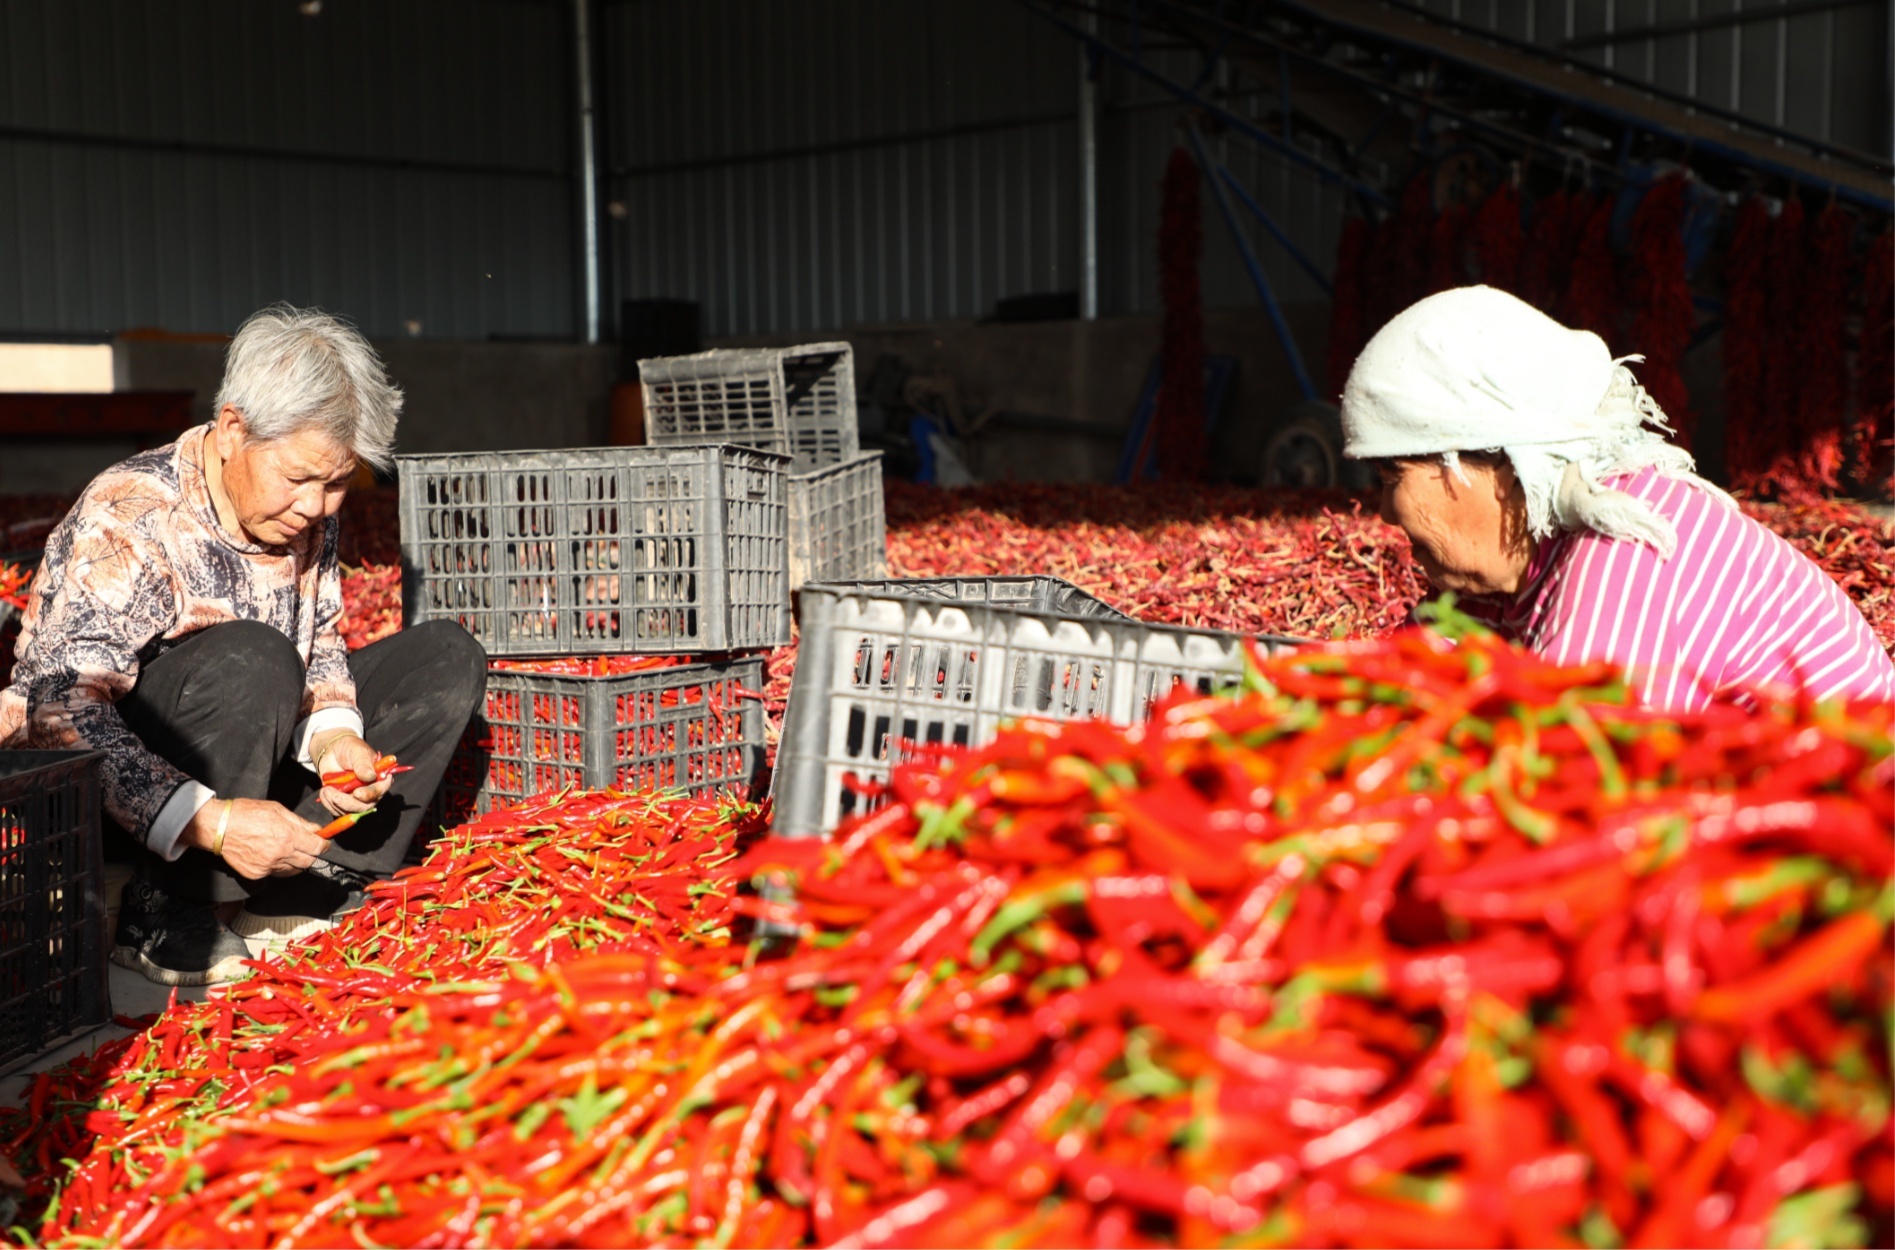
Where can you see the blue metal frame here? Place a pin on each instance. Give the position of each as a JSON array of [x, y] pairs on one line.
[[1134, 62], [1264, 291], [1277, 232]]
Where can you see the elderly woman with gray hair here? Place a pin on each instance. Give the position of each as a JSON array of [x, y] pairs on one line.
[[1526, 467], [185, 622]]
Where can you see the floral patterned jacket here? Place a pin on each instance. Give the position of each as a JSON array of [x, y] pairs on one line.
[[139, 564]]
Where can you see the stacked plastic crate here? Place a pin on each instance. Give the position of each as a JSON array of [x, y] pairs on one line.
[[625, 594], [799, 401]]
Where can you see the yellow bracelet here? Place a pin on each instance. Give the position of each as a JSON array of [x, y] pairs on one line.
[[223, 822]]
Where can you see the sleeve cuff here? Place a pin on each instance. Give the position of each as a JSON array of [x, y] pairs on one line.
[[168, 826], [320, 722]]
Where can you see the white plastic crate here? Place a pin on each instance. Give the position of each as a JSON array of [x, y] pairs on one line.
[[950, 660], [799, 401], [601, 550], [838, 531]]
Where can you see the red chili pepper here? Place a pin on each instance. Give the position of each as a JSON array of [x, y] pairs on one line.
[[341, 823], [346, 781]]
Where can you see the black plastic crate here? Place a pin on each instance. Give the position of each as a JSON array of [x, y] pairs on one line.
[[53, 976], [599, 550], [692, 727], [949, 660]]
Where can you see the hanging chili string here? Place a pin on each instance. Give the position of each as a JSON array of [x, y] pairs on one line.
[[1544, 262], [1409, 234], [1746, 342], [1499, 239], [1378, 274], [1875, 368], [1661, 292], [1592, 292], [1573, 226], [1180, 409], [1823, 397], [1786, 272], [1346, 335], [1447, 250]]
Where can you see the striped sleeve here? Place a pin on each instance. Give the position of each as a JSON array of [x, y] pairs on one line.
[[1611, 600], [1734, 610]]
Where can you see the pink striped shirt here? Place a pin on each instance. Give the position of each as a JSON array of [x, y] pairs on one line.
[[1735, 608]]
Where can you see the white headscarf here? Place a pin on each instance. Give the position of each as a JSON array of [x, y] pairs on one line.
[[1475, 369]]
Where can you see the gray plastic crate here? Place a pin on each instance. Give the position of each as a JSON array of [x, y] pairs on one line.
[[601, 550], [695, 727], [796, 400], [881, 664], [838, 532], [53, 975]]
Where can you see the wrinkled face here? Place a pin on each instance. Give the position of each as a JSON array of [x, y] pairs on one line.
[[1469, 535], [282, 487]]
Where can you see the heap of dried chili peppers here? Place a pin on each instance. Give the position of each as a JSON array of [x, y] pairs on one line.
[[1310, 564], [1412, 943]]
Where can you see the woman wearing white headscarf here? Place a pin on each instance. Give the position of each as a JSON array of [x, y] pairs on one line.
[[1516, 455]]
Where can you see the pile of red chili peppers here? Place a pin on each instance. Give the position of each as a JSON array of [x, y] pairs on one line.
[[590, 665], [1412, 943], [371, 603], [14, 581], [501, 905]]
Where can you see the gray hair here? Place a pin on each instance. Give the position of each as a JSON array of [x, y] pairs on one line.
[[291, 369]]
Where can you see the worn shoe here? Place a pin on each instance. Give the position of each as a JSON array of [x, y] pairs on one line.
[[299, 907], [174, 941]]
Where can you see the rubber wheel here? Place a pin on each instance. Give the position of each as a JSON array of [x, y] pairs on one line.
[[1305, 450]]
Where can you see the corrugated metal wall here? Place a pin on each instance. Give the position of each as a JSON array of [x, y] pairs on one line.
[[798, 165], [1821, 74], [794, 165], [801, 165], [179, 163]]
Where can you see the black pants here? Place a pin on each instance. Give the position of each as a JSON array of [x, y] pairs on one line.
[[223, 706]]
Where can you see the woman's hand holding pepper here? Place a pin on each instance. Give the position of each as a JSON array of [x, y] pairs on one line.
[[261, 838], [349, 752]]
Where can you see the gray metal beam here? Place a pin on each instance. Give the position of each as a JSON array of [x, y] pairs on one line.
[[588, 171], [1692, 26], [1088, 179]]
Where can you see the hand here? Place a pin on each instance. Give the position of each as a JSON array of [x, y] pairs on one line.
[[261, 839], [347, 751]]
